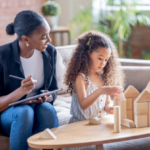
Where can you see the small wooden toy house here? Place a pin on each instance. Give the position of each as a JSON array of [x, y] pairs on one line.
[[135, 107], [142, 109], [130, 94]]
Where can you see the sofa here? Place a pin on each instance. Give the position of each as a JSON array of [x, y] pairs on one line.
[[137, 73]]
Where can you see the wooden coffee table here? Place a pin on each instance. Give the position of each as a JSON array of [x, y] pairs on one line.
[[83, 134]]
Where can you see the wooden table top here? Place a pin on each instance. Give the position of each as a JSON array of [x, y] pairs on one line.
[[82, 133]]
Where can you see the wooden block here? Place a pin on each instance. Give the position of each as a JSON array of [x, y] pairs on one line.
[[141, 121], [118, 99], [47, 134], [117, 120], [130, 114], [133, 106], [121, 101], [129, 103], [95, 120], [128, 123], [117, 102], [122, 97], [149, 114], [148, 86], [143, 97], [131, 92], [123, 110], [141, 108]]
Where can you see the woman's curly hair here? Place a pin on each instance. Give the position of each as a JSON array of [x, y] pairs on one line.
[[80, 61]]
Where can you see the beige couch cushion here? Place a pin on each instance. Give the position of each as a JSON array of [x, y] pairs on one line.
[[62, 106], [134, 62], [64, 54], [137, 76]]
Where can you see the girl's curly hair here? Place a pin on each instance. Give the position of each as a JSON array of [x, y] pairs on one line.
[[80, 61]]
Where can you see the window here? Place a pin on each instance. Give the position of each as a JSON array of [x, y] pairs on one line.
[[102, 5]]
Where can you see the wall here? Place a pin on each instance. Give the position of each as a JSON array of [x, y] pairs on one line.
[[69, 8], [140, 38], [8, 11], [140, 41]]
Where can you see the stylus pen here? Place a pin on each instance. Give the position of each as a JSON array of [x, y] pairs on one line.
[[15, 77]]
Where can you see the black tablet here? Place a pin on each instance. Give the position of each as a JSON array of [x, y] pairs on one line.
[[34, 97]]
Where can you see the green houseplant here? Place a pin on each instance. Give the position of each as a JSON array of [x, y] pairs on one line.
[[122, 21], [117, 24], [51, 10], [146, 54]]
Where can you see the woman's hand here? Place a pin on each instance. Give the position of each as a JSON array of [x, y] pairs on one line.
[[111, 90], [40, 99], [27, 85]]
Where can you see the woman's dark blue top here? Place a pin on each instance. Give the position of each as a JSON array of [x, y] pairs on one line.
[[10, 64]]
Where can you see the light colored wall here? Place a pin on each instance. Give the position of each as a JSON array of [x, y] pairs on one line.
[[69, 8], [64, 17], [8, 11]]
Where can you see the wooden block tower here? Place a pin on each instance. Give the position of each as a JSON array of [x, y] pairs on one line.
[[130, 94], [121, 102], [142, 109], [137, 110]]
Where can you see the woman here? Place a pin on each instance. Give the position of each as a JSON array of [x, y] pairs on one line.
[[29, 56]]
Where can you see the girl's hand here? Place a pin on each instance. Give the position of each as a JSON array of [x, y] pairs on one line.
[[108, 107], [111, 110], [27, 85], [40, 99], [111, 90]]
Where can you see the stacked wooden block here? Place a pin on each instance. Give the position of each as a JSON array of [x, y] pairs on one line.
[[130, 94], [138, 106], [142, 108], [120, 101]]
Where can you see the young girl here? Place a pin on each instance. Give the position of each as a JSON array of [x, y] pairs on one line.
[[93, 75]]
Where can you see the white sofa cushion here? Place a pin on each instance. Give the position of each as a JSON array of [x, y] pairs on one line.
[[64, 54], [62, 106]]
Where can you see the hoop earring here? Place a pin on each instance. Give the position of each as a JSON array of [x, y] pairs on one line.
[[27, 44]]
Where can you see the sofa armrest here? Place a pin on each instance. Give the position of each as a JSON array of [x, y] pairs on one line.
[[138, 76], [134, 62]]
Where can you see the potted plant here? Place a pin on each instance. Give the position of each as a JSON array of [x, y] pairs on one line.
[[51, 10], [146, 54], [117, 23]]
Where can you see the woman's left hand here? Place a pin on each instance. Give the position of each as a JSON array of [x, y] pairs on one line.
[[40, 99]]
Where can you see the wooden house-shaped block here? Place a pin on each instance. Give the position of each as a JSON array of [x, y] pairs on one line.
[[135, 107], [148, 86], [142, 109], [120, 101], [130, 94]]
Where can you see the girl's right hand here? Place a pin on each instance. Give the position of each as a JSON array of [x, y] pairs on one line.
[[111, 90], [27, 85]]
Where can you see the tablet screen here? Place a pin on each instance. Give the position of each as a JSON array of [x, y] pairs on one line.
[[34, 97]]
